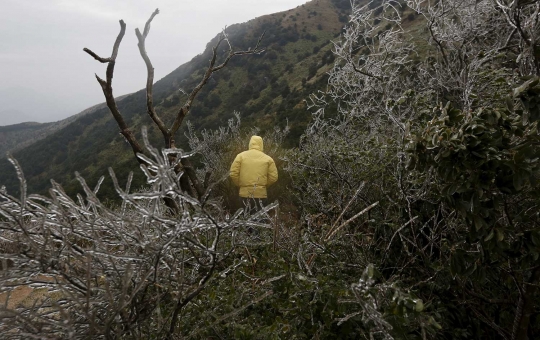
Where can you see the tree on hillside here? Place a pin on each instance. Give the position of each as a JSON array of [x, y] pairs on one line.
[[190, 183]]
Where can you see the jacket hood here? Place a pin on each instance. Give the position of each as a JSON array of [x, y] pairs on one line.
[[256, 143]]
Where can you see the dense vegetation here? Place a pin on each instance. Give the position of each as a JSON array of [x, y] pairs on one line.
[[408, 210], [12, 136]]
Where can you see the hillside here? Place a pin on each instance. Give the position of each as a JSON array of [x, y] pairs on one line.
[[18, 136], [267, 89]]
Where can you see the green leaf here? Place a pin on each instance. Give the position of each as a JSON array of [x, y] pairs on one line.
[[500, 235], [525, 86], [535, 238], [419, 305], [490, 236], [434, 323], [479, 222], [370, 271], [451, 189]]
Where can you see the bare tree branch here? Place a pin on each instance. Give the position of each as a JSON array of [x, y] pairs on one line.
[[150, 81], [184, 110], [98, 58], [106, 86]]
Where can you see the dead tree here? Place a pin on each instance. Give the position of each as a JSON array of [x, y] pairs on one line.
[[189, 181]]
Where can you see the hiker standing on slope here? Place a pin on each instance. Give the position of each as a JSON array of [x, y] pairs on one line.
[[253, 171]]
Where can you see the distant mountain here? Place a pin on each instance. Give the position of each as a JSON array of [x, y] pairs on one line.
[[267, 89], [18, 136]]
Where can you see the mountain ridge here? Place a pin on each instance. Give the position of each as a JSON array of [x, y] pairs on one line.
[[15, 137]]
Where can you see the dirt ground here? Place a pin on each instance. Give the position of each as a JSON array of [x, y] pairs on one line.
[[23, 295]]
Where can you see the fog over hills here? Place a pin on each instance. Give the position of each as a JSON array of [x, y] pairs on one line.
[[23, 104], [13, 116]]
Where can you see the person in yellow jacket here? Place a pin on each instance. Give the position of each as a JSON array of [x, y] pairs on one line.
[[253, 170]]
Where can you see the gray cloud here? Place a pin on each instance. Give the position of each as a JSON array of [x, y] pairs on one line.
[[42, 41]]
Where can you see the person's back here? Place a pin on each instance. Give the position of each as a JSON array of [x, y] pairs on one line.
[[253, 171]]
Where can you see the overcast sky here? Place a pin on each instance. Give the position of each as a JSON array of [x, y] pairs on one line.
[[46, 76]]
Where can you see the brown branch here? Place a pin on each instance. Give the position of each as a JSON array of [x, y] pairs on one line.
[[397, 232], [182, 113], [356, 69], [525, 308], [184, 110], [334, 230], [256, 50], [206, 182], [167, 136], [147, 25], [502, 332], [508, 39], [522, 33], [150, 80], [439, 44], [106, 86], [189, 170], [118, 40], [202, 284], [98, 58], [186, 178]]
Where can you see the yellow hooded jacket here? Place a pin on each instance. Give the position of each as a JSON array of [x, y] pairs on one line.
[[253, 170]]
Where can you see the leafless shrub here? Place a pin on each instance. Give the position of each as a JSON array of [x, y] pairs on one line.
[[113, 273]]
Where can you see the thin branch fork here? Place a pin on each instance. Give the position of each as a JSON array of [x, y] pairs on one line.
[[168, 134], [106, 86], [365, 73], [98, 58], [150, 80], [184, 110]]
